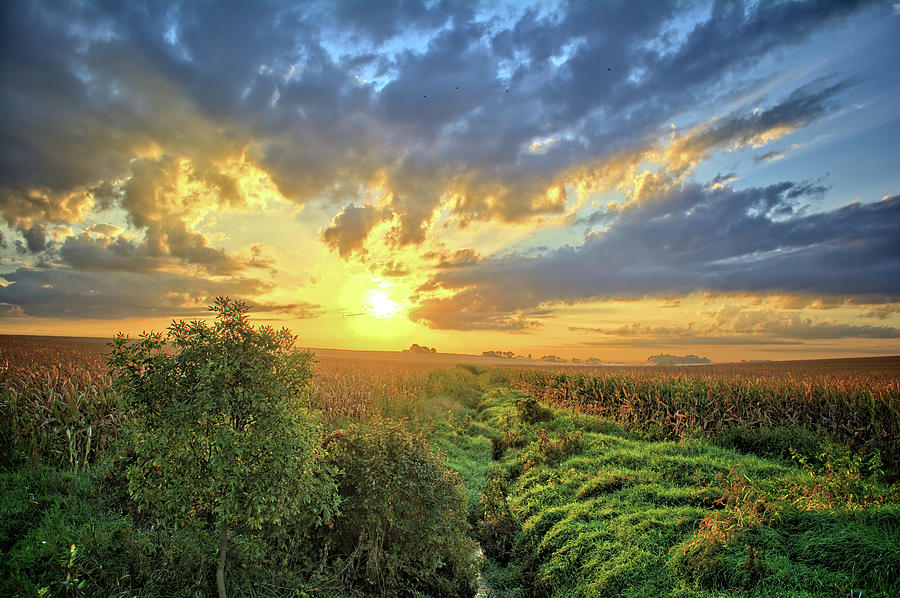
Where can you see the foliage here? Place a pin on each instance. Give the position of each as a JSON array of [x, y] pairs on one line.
[[553, 451], [860, 410], [417, 348], [775, 442], [120, 552], [498, 528], [358, 390], [403, 513], [610, 514], [57, 404], [530, 411], [218, 429], [622, 516]]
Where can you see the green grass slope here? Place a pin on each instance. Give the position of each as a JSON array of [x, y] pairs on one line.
[[566, 504]]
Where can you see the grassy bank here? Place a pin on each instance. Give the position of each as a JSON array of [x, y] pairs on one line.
[[573, 504], [564, 502]]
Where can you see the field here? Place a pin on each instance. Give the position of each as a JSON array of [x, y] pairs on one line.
[[775, 479]]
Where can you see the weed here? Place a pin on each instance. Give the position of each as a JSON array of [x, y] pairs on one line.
[[530, 411], [565, 445]]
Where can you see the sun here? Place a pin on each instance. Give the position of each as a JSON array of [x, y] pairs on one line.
[[382, 306]]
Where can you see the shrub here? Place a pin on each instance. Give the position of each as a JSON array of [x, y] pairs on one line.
[[498, 528], [530, 411], [403, 513], [219, 435], [554, 451], [513, 436]]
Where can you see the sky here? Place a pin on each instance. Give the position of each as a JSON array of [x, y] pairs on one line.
[[585, 179]]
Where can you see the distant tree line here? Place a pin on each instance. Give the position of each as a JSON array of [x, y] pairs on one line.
[[676, 360], [415, 348], [500, 354]]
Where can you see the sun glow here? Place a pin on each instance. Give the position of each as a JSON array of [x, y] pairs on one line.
[[382, 306]]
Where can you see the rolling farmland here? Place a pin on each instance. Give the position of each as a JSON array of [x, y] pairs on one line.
[[746, 479]]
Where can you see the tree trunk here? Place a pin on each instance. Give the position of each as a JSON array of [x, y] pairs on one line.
[[220, 570]]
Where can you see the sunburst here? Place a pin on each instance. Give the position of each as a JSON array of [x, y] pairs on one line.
[[382, 306]]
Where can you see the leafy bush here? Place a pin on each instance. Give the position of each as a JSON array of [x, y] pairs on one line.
[[498, 528], [219, 434], [119, 552], [403, 513], [530, 411]]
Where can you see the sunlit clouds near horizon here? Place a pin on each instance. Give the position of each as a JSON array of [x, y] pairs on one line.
[[588, 179]]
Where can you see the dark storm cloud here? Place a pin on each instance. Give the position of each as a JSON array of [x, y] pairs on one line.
[[166, 248], [111, 104], [350, 228], [85, 252], [692, 239], [205, 80], [35, 238], [66, 293]]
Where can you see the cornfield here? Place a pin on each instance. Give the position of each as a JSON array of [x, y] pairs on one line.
[[858, 407], [58, 404], [362, 389]]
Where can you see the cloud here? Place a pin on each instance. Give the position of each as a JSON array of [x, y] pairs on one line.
[[150, 110], [118, 254], [391, 268], [739, 321], [323, 98], [775, 155], [456, 259], [473, 310], [35, 238], [72, 294], [300, 309], [689, 240], [736, 324], [350, 228], [163, 248], [883, 312]]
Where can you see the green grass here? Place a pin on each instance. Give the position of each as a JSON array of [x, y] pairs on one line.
[[563, 503], [609, 514], [118, 552]]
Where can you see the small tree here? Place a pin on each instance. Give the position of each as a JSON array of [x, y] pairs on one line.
[[220, 434]]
